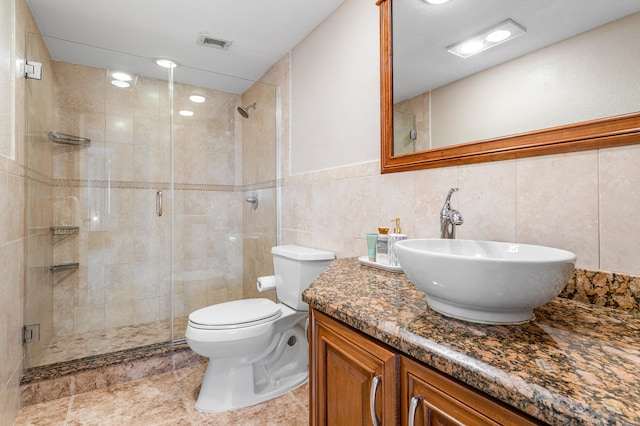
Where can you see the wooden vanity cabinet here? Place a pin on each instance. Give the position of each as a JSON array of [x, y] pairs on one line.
[[344, 363], [344, 366], [440, 400]]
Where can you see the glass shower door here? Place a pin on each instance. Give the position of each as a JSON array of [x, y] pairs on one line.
[[114, 190], [108, 218], [122, 291], [130, 227], [38, 289]]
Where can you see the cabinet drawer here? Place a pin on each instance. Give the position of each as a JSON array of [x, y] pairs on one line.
[[444, 401]]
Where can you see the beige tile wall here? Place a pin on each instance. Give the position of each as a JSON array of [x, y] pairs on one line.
[[259, 138], [583, 202]]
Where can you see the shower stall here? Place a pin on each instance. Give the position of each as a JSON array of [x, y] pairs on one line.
[[140, 202]]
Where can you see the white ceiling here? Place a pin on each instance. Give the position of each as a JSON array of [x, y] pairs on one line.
[[422, 33], [126, 34]]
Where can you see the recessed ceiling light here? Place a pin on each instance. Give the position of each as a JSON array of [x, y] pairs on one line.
[[498, 35], [436, 1], [197, 99], [122, 76], [507, 30], [472, 46], [166, 62], [120, 83], [186, 113]]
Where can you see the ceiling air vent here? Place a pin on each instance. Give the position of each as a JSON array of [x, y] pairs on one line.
[[207, 40]]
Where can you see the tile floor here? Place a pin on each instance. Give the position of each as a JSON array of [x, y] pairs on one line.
[[165, 399]]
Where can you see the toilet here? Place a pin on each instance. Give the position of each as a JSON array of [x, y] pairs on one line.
[[258, 349]]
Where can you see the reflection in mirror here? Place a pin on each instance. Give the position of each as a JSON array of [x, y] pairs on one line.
[[411, 131], [530, 83]]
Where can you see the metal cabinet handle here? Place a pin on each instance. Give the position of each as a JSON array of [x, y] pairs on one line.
[[159, 203], [372, 400], [413, 406]]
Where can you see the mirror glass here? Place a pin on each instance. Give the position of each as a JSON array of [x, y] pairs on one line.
[[576, 61]]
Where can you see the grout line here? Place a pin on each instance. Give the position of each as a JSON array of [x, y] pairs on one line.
[[185, 400], [69, 408]]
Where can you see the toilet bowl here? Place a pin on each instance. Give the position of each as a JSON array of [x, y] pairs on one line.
[[257, 348]]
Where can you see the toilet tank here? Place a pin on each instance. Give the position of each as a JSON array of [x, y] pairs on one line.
[[295, 268]]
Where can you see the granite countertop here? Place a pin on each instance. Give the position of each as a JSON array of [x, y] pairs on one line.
[[574, 364]]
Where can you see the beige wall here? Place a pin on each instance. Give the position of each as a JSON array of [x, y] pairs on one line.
[[583, 202], [334, 112]]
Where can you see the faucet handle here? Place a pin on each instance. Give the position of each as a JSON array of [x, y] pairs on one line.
[[455, 217]]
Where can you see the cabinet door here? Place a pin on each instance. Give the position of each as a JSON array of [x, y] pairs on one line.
[[344, 366], [442, 401]]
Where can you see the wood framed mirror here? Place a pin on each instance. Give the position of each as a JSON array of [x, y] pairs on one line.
[[607, 131]]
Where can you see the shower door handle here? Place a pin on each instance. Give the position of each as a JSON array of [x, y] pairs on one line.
[[159, 202]]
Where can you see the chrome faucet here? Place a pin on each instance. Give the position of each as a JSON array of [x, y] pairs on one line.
[[449, 218]]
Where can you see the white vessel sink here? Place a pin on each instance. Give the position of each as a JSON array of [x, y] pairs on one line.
[[485, 281]]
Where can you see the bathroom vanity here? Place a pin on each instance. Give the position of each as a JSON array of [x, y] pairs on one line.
[[379, 353], [350, 370]]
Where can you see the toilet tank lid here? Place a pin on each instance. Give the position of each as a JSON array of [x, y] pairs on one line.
[[296, 252]]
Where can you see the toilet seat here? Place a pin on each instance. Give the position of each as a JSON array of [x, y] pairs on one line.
[[235, 314]]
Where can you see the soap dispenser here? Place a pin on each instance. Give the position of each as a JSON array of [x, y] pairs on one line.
[[394, 237]]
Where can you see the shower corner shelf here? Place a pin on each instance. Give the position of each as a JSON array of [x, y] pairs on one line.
[[64, 230], [65, 139], [64, 267]]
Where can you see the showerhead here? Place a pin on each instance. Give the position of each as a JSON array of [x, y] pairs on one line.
[[244, 111]]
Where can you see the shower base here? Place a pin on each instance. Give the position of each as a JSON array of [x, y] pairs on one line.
[[93, 361], [82, 345]]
